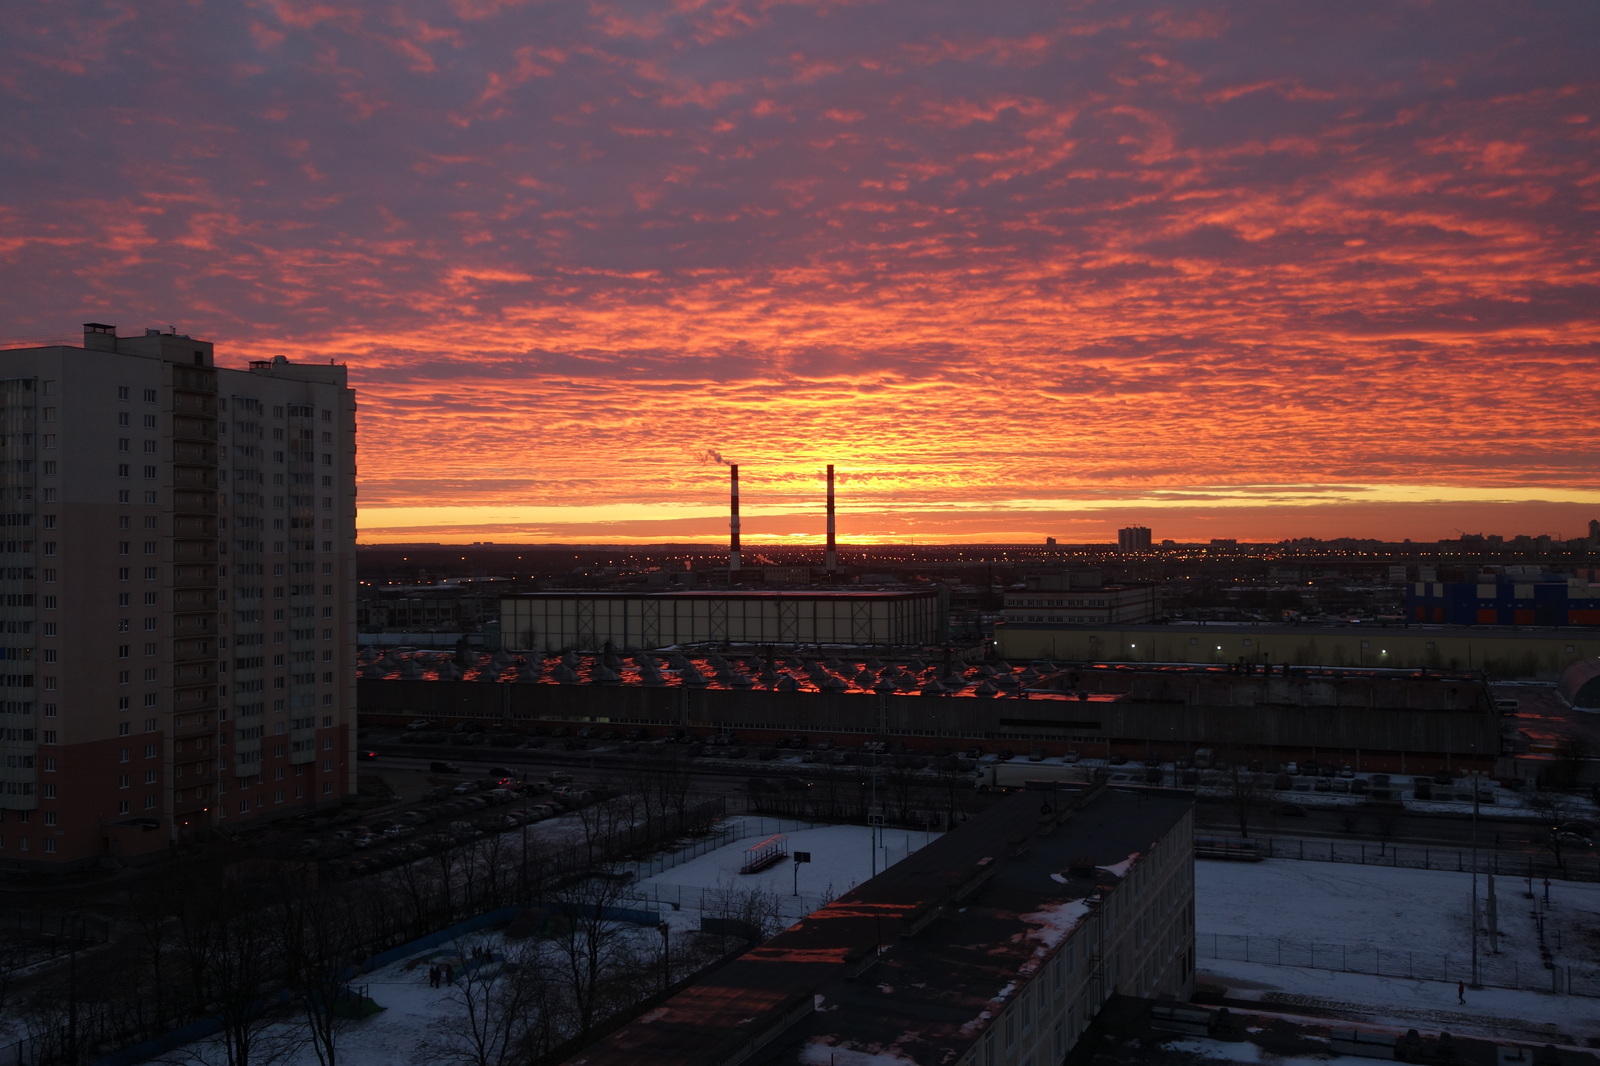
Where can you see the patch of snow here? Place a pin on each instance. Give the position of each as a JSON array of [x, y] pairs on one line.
[[1119, 870], [818, 1052]]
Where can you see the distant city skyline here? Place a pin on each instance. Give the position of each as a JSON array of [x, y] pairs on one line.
[[1019, 270]]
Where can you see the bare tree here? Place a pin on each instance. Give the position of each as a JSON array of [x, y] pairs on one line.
[[760, 908], [500, 1003], [1385, 819], [1246, 791], [591, 946], [1556, 809], [318, 938], [228, 944]]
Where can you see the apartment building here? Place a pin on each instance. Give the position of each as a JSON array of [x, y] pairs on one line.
[[177, 579]]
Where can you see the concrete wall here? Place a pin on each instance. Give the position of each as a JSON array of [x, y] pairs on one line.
[[1057, 724], [1503, 654]]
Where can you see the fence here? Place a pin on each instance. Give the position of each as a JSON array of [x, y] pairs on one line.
[[1413, 965], [1426, 858]]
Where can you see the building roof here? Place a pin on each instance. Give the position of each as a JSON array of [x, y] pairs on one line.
[[920, 960]]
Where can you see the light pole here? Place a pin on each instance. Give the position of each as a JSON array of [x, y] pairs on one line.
[[666, 955], [1473, 778]]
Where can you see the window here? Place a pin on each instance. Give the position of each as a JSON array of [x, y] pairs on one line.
[[149, 803], [149, 751], [149, 601], [48, 791], [122, 496], [123, 470], [149, 395], [150, 497], [124, 728], [48, 736], [123, 392], [149, 573], [124, 444], [150, 447], [149, 421], [122, 599], [123, 573], [150, 473], [49, 817], [122, 756]]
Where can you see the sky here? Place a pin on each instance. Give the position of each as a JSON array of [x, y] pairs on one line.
[[1019, 269]]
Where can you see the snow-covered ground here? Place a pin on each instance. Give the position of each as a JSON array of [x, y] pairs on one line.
[[842, 856], [1399, 909], [1404, 913], [412, 1029]]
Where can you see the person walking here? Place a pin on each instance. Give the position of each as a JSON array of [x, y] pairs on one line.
[[450, 975], [1461, 991]]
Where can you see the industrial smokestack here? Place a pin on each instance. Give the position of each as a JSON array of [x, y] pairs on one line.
[[830, 555], [733, 520]]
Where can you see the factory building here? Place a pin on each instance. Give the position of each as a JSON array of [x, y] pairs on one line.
[[1503, 653], [1498, 599], [589, 621], [995, 945], [178, 594], [1370, 719], [1079, 599]]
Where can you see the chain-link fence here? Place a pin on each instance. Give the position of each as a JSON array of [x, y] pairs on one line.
[[1322, 849], [1384, 962]]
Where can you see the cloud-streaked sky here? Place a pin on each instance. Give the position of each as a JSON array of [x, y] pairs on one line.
[[1020, 268]]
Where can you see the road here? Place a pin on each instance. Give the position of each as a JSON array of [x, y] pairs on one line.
[[1510, 836]]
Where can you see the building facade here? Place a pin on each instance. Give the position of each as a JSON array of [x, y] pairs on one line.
[[1504, 653], [1133, 539], [1506, 600], [588, 621], [178, 601], [1100, 605]]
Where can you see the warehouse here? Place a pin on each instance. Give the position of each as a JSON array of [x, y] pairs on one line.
[[588, 621]]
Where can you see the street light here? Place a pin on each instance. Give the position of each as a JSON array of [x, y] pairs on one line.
[[1473, 778]]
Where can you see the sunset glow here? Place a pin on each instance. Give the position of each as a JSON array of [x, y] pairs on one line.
[[1019, 269]]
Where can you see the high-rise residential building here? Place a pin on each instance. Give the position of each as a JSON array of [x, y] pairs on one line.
[[177, 594], [1133, 539]]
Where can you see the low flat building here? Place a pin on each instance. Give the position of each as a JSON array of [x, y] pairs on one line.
[[1506, 600], [588, 621], [1503, 652], [1100, 605], [993, 946]]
